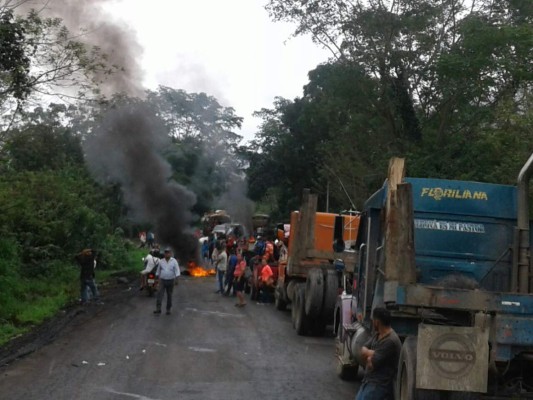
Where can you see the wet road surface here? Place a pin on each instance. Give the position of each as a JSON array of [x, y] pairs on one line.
[[207, 349]]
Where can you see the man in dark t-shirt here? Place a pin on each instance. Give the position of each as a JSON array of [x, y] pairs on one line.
[[87, 262], [382, 353]]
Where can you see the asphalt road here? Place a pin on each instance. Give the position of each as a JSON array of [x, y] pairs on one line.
[[207, 349]]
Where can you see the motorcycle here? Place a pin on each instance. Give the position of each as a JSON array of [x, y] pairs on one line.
[[151, 281]]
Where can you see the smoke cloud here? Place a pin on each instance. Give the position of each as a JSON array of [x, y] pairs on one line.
[[129, 144], [127, 149], [87, 19]]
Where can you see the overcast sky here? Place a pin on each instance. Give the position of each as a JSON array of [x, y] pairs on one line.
[[227, 48]]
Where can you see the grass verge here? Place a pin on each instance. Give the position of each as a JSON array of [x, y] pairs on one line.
[[29, 302]]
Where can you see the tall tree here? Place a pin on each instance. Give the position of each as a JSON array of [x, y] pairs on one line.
[[40, 60]]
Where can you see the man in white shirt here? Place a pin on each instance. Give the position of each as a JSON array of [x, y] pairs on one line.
[[167, 272], [222, 265]]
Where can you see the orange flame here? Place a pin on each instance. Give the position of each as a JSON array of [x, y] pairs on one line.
[[197, 271]]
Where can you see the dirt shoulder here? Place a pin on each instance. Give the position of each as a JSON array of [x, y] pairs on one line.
[[118, 288]]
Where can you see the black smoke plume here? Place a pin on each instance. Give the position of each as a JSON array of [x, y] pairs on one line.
[[127, 148]]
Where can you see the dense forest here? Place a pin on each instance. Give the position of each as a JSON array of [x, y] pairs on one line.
[[446, 84]]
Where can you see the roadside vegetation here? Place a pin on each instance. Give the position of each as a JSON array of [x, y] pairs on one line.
[[51, 205], [446, 84]]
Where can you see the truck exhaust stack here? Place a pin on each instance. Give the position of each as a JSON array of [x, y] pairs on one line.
[[525, 267]]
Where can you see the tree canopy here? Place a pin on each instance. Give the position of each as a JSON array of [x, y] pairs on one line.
[[445, 83]]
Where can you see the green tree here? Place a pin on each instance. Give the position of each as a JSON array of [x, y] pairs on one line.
[[39, 59], [447, 84]]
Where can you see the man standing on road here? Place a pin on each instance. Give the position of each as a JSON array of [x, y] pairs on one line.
[[232, 263], [382, 353], [167, 272], [87, 262], [222, 265]]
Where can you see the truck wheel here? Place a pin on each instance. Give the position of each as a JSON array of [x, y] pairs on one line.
[[279, 299], [301, 320], [318, 327], [314, 293], [293, 311], [331, 291], [406, 380]]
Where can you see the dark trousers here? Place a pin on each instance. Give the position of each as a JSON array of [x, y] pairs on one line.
[[165, 285], [88, 284], [229, 284], [220, 278]]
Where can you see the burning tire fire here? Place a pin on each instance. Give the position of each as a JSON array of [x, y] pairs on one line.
[[197, 271]]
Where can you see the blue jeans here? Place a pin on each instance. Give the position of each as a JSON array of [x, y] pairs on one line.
[[371, 391], [88, 284], [220, 277]]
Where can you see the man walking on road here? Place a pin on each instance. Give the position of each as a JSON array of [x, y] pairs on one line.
[[382, 353], [167, 272]]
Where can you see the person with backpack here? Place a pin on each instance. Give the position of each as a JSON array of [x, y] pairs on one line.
[[259, 248]]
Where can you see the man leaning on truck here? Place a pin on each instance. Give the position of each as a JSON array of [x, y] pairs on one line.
[[382, 353]]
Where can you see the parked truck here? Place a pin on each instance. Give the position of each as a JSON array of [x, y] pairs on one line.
[[309, 279], [451, 260]]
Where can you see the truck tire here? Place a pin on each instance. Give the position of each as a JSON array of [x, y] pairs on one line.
[[406, 378], [331, 291], [301, 319], [291, 287], [279, 299], [314, 293], [318, 326], [293, 311]]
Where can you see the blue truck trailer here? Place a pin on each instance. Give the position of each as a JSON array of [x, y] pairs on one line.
[[462, 304]]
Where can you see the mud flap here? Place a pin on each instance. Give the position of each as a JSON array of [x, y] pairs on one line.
[[452, 358]]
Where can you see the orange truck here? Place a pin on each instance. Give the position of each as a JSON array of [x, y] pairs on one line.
[[309, 279]]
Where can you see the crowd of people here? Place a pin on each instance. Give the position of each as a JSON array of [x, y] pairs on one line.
[[234, 263], [236, 260]]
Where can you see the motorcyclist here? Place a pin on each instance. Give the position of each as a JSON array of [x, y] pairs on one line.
[[151, 261]]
